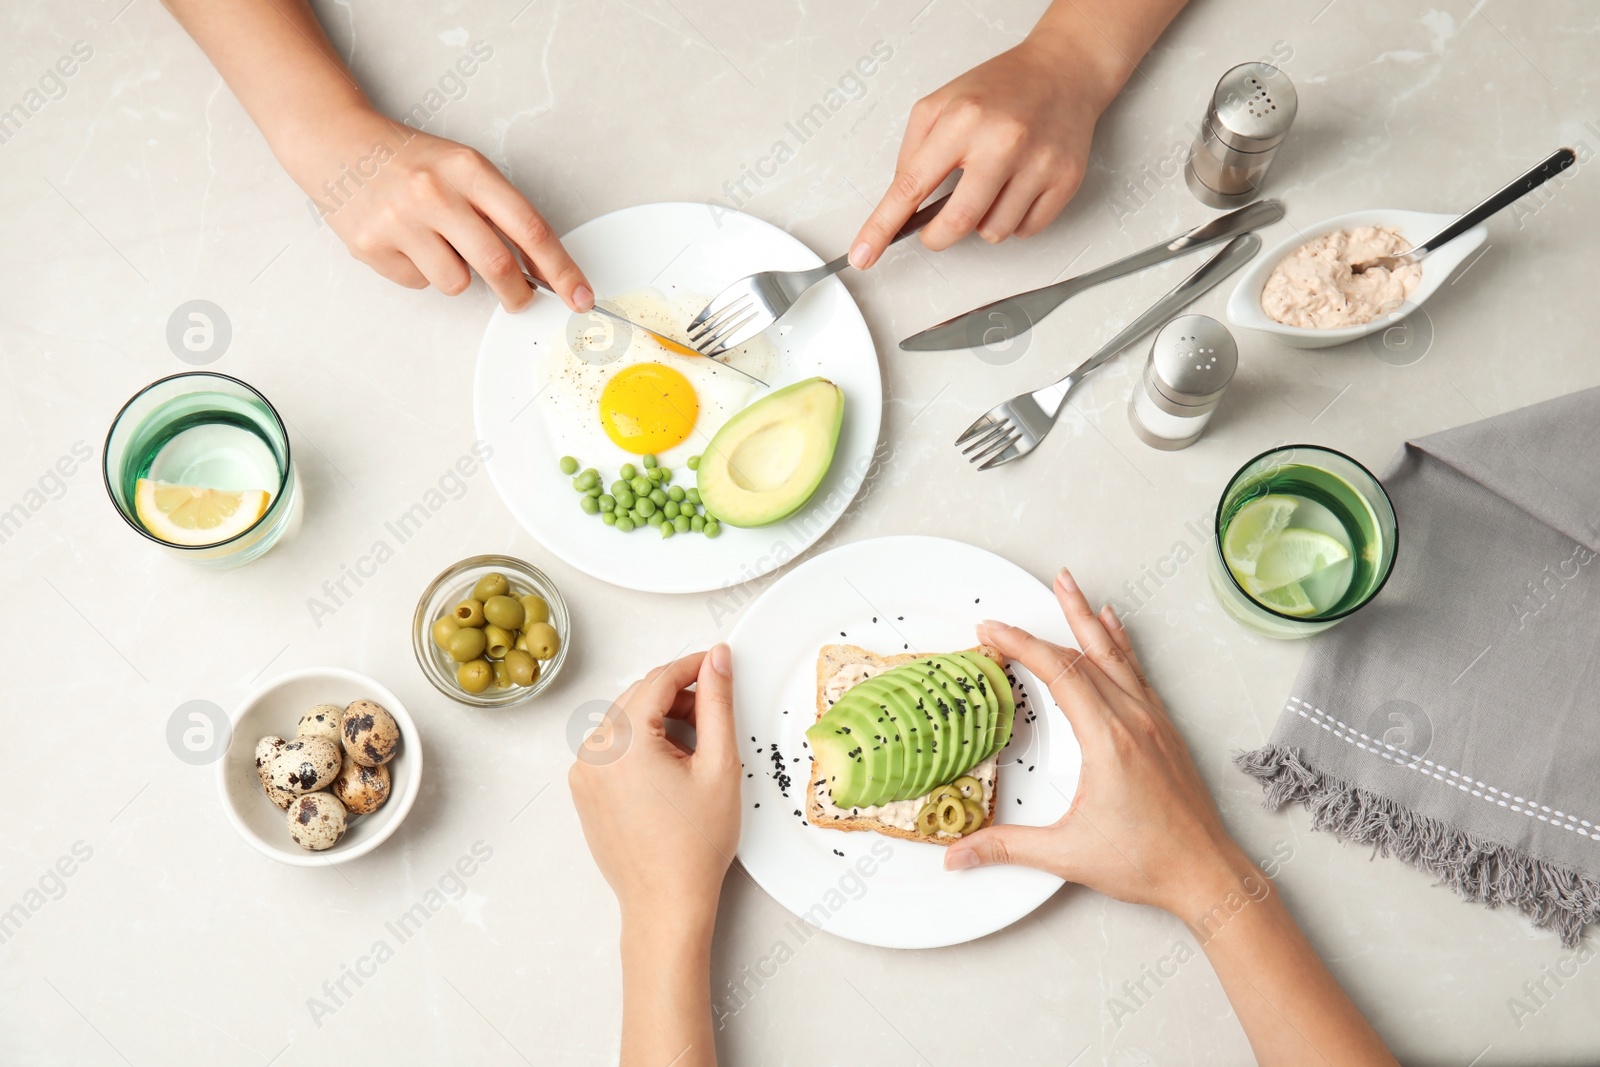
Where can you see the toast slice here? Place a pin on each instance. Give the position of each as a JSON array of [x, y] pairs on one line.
[[831, 659]]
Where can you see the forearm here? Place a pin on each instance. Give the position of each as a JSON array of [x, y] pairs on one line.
[[275, 57], [1291, 1008], [1112, 35], [666, 991]]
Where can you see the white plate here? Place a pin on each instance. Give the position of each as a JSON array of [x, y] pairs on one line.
[[1244, 306], [677, 249], [891, 594]]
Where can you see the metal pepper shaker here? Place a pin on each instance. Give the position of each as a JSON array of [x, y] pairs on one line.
[[1191, 362], [1250, 113]]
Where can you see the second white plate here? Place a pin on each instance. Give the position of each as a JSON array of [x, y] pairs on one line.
[[891, 594]]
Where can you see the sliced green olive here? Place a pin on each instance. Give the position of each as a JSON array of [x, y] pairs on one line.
[[474, 676], [969, 787], [942, 792], [469, 613], [951, 815], [497, 641], [927, 820], [466, 644], [975, 815], [490, 585], [442, 629]]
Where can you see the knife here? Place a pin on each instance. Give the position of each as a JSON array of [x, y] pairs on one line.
[[677, 348], [1005, 319]]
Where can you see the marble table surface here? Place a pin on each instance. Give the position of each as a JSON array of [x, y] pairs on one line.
[[141, 184]]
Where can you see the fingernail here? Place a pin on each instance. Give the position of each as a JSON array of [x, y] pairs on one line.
[[1064, 576], [722, 659], [959, 859], [583, 298], [992, 624], [1109, 617], [860, 255]]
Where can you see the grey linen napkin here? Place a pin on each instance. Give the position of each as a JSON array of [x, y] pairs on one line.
[[1455, 721]]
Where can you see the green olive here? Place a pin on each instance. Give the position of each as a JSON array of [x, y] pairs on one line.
[[504, 612], [489, 585], [469, 613], [927, 820], [975, 815], [969, 787], [502, 677], [466, 644], [442, 629], [521, 667], [951, 815], [474, 676], [534, 609], [942, 792], [497, 641], [543, 641]]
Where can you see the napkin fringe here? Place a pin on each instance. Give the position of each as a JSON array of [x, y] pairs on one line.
[[1552, 896]]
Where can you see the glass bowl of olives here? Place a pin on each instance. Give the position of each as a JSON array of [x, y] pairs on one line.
[[491, 631]]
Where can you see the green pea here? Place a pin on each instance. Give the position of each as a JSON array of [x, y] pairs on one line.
[[589, 505], [637, 516], [624, 524], [694, 463], [641, 485], [713, 528], [655, 520], [569, 465], [625, 500], [586, 479], [628, 471], [659, 496], [667, 530], [697, 524], [646, 506], [693, 497], [670, 509], [649, 460], [676, 493], [654, 474], [666, 475], [593, 492], [607, 502], [619, 487], [681, 524], [608, 517]]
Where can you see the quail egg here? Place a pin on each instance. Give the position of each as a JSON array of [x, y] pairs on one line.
[[316, 821], [321, 721], [371, 735], [362, 790], [305, 764], [267, 748]]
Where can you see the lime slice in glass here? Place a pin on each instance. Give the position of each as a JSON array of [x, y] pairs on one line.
[[1251, 528], [1293, 556], [1289, 599]]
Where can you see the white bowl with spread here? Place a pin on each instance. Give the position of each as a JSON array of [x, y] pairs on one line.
[[1244, 306]]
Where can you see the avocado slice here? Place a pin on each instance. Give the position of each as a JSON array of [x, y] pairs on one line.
[[972, 710], [866, 709], [766, 461], [984, 692], [945, 721], [838, 759], [911, 730], [1000, 686], [924, 729], [893, 714]]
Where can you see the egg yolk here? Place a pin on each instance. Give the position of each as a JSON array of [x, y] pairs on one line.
[[648, 408]]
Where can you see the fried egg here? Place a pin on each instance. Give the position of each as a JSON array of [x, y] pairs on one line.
[[611, 394]]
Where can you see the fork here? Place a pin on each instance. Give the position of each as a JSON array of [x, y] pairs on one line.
[[1015, 427], [751, 304]]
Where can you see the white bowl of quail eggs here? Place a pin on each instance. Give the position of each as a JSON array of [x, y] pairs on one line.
[[323, 766]]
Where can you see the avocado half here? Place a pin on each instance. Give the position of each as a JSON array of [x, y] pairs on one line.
[[766, 461]]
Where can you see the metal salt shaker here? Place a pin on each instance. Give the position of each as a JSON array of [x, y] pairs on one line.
[[1191, 362], [1251, 111]]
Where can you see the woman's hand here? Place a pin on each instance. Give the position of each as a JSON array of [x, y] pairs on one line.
[[421, 210], [1019, 128], [1143, 827], [663, 823]]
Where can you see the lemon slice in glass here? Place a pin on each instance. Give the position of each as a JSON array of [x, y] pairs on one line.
[[194, 516], [1293, 556], [1250, 530], [1289, 599]]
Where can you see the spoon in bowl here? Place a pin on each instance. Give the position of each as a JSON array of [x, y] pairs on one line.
[[1558, 162]]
